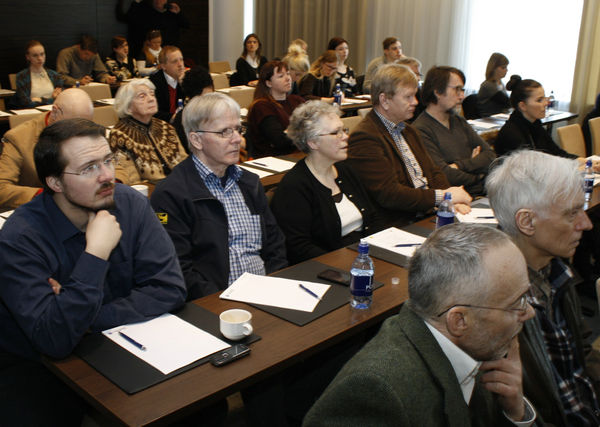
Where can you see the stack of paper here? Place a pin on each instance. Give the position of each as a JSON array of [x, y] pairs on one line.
[[396, 240], [261, 173], [271, 163], [169, 342], [478, 216], [275, 291]]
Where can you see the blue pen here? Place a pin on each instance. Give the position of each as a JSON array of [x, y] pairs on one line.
[[132, 341], [406, 245], [305, 289], [485, 217]]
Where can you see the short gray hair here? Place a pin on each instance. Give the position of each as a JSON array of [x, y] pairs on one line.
[[126, 93], [530, 179], [202, 109], [305, 122], [448, 268]]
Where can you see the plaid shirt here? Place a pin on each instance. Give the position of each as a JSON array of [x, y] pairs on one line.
[[410, 161], [575, 388], [245, 233]]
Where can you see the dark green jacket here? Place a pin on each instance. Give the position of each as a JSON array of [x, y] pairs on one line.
[[401, 378]]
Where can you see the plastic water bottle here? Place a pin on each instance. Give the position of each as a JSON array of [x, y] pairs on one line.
[[179, 105], [77, 84], [361, 285], [445, 213], [337, 95], [588, 183]]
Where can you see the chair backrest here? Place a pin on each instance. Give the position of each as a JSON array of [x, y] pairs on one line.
[[595, 131], [105, 115], [220, 80], [12, 78], [469, 106], [351, 122], [97, 91], [243, 95], [362, 112], [571, 139], [219, 66], [17, 119]]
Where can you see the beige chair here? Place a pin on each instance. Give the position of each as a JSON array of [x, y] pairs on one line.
[[220, 80], [595, 131], [244, 95], [571, 139], [219, 67], [363, 112], [351, 122], [105, 115], [97, 91], [17, 119], [12, 78]]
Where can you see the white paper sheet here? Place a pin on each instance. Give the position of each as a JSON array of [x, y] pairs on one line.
[[171, 343], [4, 114], [365, 96], [44, 107], [272, 163], [350, 101], [261, 173], [2, 221], [391, 237], [7, 92], [109, 101], [483, 125], [96, 84], [501, 116], [274, 291], [26, 111], [6, 214], [478, 216]]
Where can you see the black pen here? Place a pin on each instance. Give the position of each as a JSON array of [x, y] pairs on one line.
[[132, 341], [407, 245], [304, 288], [485, 217], [260, 164]]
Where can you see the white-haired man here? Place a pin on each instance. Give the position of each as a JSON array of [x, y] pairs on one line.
[[538, 200]]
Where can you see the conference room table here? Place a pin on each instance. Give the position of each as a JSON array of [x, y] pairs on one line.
[[283, 344]]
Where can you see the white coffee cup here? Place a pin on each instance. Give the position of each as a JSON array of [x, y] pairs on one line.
[[235, 324], [141, 188]]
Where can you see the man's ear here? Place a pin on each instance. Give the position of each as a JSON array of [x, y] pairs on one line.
[[383, 101], [525, 221], [54, 183], [458, 321], [195, 140]]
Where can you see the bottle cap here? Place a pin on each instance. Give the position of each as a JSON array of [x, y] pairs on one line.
[[363, 247]]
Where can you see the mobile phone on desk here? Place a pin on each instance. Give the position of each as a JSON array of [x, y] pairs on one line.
[[230, 354], [335, 276]]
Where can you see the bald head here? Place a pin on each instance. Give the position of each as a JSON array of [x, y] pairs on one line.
[[71, 104]]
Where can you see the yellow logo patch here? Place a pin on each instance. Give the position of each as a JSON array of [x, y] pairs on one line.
[[163, 217]]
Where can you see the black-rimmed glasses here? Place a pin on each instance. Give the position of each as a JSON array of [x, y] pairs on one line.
[[226, 133]]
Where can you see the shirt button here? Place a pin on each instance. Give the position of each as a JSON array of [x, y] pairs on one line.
[[362, 209], [349, 196]]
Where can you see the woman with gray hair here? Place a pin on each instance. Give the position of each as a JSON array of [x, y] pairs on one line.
[[147, 148], [321, 205]]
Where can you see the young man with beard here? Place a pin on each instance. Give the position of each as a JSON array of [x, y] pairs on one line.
[[85, 255]]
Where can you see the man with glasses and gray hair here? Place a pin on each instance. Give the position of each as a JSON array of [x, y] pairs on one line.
[[538, 200], [451, 356], [86, 255], [217, 213]]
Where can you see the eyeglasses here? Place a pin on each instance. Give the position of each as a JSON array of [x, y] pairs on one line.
[[458, 89], [226, 133], [339, 133], [520, 309], [93, 170]]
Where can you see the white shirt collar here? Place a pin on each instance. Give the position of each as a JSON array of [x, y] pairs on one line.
[[171, 81], [465, 367]]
